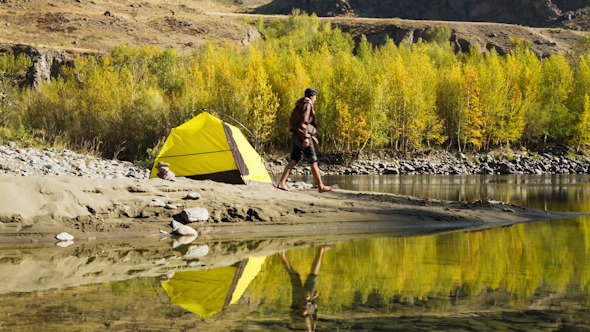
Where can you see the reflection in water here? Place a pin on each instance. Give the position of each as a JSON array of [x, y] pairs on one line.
[[304, 296], [208, 292], [552, 192], [534, 266], [529, 276]]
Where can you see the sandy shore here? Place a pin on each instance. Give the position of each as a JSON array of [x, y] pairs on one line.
[[36, 208]]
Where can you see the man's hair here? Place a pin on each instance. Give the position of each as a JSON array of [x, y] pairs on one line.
[[310, 92]]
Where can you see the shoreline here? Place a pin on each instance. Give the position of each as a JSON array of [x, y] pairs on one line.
[[50, 191], [40, 207]]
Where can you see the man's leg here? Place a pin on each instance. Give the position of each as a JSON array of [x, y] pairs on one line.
[[315, 171], [286, 173], [286, 263], [315, 267]]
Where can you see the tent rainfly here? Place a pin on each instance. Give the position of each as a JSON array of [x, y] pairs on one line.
[[207, 148]]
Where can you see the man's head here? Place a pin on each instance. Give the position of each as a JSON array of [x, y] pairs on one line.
[[311, 93]]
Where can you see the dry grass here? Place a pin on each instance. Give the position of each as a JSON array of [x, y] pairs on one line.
[[84, 27]]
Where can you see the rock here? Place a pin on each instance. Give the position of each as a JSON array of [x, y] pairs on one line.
[[193, 196], [64, 236], [163, 232], [183, 240], [195, 214], [170, 207], [175, 225], [164, 172], [197, 251], [408, 167], [64, 244], [157, 203], [252, 35], [185, 230], [46, 63]]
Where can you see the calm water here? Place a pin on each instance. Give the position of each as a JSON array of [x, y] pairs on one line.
[[527, 277], [556, 192]]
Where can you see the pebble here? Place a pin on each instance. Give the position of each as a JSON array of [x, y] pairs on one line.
[[170, 206], [64, 236], [163, 232]]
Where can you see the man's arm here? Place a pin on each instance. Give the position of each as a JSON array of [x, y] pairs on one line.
[[306, 119]]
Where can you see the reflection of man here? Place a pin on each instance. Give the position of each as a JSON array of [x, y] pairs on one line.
[[303, 295]]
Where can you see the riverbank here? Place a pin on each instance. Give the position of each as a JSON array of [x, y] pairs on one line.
[[549, 161], [92, 198]]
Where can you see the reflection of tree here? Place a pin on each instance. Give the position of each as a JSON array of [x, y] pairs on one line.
[[503, 267]]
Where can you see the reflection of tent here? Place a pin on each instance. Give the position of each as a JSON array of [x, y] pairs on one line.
[[211, 291], [208, 148]]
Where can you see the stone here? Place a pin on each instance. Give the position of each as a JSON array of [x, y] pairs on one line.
[[197, 251], [183, 240], [185, 230], [157, 203], [170, 207], [195, 214], [408, 167], [193, 196], [64, 236], [175, 225], [64, 244], [163, 232], [164, 171]]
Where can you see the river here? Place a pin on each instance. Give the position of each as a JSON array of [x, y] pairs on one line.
[[527, 277]]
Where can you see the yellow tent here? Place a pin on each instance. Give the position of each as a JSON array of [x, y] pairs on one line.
[[207, 148], [211, 291]]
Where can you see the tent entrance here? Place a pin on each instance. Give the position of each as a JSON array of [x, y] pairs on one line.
[[231, 177]]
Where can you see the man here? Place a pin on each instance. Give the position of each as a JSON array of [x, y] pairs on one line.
[[303, 126]]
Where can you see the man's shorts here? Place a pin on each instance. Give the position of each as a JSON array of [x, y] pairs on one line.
[[296, 150]]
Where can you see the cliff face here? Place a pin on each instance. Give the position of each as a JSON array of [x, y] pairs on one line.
[[523, 12]]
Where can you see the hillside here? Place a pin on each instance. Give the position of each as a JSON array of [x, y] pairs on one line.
[[96, 26]]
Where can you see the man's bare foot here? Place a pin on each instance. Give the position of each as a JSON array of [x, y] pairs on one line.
[[324, 189], [282, 187]]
